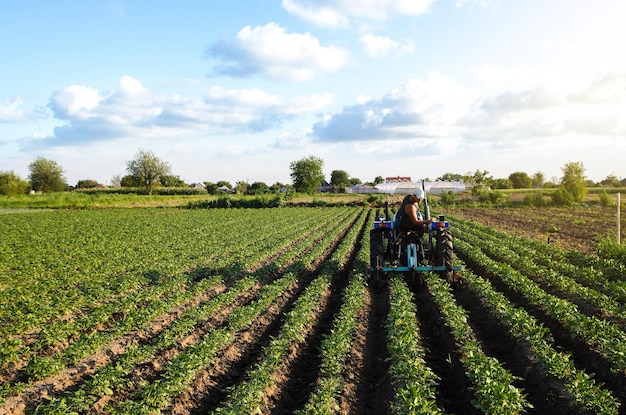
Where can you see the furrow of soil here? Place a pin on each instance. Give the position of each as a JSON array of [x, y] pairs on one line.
[[584, 356], [453, 392], [70, 378], [210, 388], [544, 392], [296, 379], [368, 389]]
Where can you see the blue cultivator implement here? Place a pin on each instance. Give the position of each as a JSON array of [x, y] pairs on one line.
[[411, 252]]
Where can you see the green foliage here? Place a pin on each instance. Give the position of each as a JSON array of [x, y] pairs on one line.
[[520, 180], [12, 184], [449, 198], [86, 184], [261, 201], [609, 249], [147, 170], [46, 176], [573, 180], [171, 181], [605, 199], [501, 184], [307, 175], [339, 178], [258, 188], [611, 181], [538, 179], [478, 181], [562, 197], [494, 197], [535, 199]]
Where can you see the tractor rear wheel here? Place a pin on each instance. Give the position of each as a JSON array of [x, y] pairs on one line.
[[445, 253], [377, 258]]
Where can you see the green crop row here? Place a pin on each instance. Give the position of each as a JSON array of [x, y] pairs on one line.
[[605, 337], [516, 253], [536, 338], [414, 382], [336, 347], [137, 310], [247, 397], [113, 376], [494, 392]]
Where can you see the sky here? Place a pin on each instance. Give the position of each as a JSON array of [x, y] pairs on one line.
[[238, 90]]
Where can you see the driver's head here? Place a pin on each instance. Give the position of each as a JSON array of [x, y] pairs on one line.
[[417, 196], [415, 199]]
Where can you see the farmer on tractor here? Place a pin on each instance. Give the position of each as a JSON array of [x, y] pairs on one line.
[[409, 218]]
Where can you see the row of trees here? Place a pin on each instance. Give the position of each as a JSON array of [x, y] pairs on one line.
[[148, 171]]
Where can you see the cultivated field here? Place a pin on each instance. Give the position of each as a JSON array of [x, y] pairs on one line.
[[241, 311]]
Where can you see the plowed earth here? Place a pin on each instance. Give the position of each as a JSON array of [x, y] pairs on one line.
[[368, 387], [573, 229]]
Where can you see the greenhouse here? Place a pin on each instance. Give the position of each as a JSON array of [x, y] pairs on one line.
[[403, 187]]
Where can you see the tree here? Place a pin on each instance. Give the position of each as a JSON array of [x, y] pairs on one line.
[[147, 169], [211, 188], [241, 187], [12, 184], [611, 181], [538, 179], [502, 184], [86, 184], [339, 179], [46, 176], [116, 181], [224, 183], [478, 181], [277, 187], [573, 180], [172, 181], [378, 180], [520, 180], [129, 181], [258, 188], [451, 177], [306, 174]]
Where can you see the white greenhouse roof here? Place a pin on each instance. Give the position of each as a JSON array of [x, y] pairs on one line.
[[410, 187]]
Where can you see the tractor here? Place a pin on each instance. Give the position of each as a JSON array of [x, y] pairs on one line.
[[411, 253]]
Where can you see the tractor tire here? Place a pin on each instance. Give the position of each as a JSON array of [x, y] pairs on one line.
[[377, 259], [377, 248], [445, 252]]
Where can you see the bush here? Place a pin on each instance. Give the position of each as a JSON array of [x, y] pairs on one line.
[[449, 198], [605, 199], [535, 199], [609, 249], [494, 197], [12, 184], [561, 197], [225, 202]]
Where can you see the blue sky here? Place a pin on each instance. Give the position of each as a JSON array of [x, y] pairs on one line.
[[238, 90]]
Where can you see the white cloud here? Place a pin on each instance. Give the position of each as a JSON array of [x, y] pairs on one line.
[[13, 111], [484, 3], [132, 110], [75, 102], [271, 51], [337, 13], [381, 46], [439, 109]]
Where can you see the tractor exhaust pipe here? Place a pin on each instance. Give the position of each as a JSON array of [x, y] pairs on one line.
[[426, 208]]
